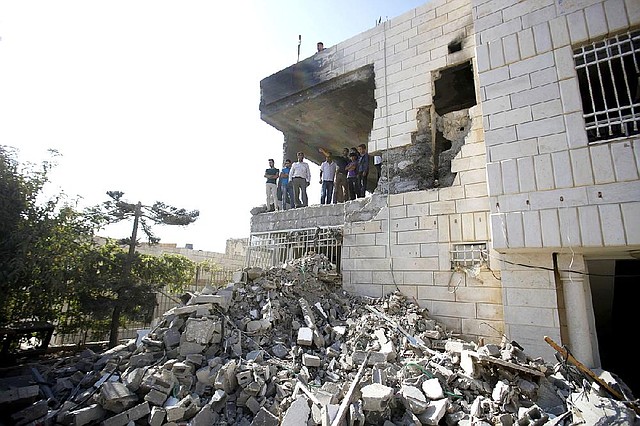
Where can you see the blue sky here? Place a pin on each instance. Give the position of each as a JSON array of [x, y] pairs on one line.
[[159, 99]]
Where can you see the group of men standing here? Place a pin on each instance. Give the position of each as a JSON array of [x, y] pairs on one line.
[[342, 178]]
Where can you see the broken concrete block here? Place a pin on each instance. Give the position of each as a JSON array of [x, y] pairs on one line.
[[131, 415], [244, 377], [501, 392], [20, 395], [593, 409], [86, 415], [31, 413], [356, 415], [305, 336], [171, 337], [200, 330], [413, 398], [252, 404], [187, 348], [376, 397], [298, 413], [279, 351], [311, 360], [434, 413], [432, 389], [156, 418], [265, 418], [175, 413], [116, 397], [155, 397], [221, 300]]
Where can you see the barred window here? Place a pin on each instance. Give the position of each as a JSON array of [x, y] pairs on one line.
[[608, 74], [469, 255]]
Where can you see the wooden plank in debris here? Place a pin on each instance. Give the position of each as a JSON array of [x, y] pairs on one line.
[[342, 411], [506, 364]]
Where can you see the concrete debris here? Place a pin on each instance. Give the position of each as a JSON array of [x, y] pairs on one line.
[[287, 346]]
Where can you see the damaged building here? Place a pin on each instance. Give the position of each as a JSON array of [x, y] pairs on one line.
[[509, 201]]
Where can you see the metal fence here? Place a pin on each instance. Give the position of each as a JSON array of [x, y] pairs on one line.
[[272, 248], [164, 301]]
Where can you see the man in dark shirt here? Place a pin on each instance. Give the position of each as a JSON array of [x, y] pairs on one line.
[[272, 189], [363, 171], [341, 189]]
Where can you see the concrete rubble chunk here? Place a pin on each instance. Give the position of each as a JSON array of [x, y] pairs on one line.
[[298, 413], [295, 348], [376, 397]]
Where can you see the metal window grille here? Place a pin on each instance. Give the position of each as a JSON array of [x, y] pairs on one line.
[[609, 78], [468, 255], [266, 249]]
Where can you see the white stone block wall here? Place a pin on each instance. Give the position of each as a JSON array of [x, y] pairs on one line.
[[407, 246], [549, 188]]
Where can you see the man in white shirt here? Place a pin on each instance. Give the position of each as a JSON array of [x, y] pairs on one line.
[[300, 176], [327, 175]]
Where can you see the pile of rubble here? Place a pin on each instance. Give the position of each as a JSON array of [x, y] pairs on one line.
[[287, 346]]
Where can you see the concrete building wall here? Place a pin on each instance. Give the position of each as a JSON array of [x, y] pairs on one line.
[[551, 191]]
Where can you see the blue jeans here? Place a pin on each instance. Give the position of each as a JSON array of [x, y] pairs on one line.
[[287, 196], [326, 192]]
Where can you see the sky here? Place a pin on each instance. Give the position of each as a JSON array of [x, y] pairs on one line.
[[160, 99]]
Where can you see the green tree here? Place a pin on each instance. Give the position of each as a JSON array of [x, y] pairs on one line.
[[116, 210], [41, 243]]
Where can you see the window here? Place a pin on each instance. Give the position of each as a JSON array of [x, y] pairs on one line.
[[469, 255], [608, 74]]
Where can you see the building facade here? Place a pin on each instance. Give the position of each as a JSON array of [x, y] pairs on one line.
[[509, 201]]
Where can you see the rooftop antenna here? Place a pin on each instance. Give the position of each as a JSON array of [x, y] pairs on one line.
[[299, 43]]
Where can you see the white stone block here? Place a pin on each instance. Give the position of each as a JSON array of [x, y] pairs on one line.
[[496, 75], [526, 174], [496, 105], [581, 162], [544, 172], [510, 176], [631, 219], [590, 226], [513, 85], [612, 225], [416, 264], [418, 197], [552, 143], [476, 190], [575, 128], [452, 193], [577, 27], [468, 227], [443, 229], [547, 109], [305, 336], [482, 58], [510, 48], [420, 236], [481, 226], [428, 222], [532, 229], [469, 205], [559, 32], [530, 316], [509, 118], [596, 20], [544, 76], [570, 94], [531, 65], [542, 37], [550, 228], [602, 163], [515, 231], [526, 43], [536, 95], [498, 230], [624, 163], [562, 169], [494, 179], [569, 226], [455, 227], [633, 11], [500, 136], [616, 18]]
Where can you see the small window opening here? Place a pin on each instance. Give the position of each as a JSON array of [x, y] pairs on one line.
[[455, 46], [609, 78], [469, 255], [454, 89]]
